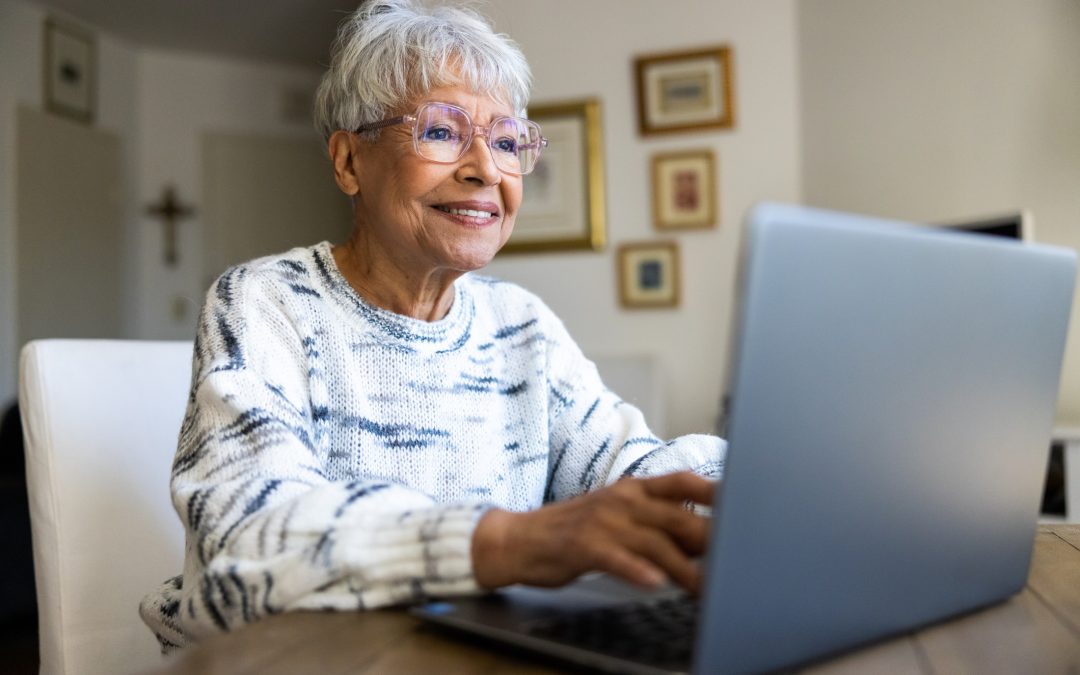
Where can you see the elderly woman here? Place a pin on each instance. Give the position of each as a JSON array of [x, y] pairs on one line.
[[369, 423]]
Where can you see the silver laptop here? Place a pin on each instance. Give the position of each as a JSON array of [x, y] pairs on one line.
[[893, 393]]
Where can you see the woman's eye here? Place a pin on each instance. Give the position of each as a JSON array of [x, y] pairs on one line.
[[437, 134], [506, 145]]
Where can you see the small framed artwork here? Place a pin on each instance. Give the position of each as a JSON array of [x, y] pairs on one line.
[[649, 275], [684, 190], [563, 204], [70, 77], [683, 91]]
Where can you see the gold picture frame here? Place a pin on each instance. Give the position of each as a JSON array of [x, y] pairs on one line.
[[563, 206], [649, 275], [70, 71], [684, 190], [685, 91]]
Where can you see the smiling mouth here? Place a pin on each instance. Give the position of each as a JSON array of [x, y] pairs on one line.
[[472, 213]]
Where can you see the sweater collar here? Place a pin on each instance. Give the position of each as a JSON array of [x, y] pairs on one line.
[[401, 331]]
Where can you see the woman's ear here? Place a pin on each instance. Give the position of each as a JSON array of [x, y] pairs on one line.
[[341, 149]]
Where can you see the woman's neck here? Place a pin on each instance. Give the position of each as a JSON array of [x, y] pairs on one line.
[[427, 296]]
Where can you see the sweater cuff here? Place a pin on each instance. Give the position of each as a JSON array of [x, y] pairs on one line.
[[424, 552]]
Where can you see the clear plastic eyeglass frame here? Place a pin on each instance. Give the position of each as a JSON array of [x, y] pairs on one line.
[[518, 167]]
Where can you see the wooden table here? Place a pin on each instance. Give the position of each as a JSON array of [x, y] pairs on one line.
[[1036, 631]]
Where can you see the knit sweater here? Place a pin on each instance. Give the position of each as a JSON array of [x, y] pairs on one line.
[[335, 455]]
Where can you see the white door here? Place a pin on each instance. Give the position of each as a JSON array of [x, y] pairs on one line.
[[70, 230]]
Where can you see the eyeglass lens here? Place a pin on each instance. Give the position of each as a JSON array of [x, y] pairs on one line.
[[443, 134]]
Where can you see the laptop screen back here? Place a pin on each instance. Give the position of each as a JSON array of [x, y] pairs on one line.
[[893, 395]]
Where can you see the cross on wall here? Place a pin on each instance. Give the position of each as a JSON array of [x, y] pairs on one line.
[[171, 211]]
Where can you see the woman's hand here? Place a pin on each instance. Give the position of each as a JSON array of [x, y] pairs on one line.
[[636, 529]]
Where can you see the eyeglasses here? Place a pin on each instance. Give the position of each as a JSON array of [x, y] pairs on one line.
[[443, 133]]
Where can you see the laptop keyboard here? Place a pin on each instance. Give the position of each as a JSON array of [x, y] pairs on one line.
[[654, 632]]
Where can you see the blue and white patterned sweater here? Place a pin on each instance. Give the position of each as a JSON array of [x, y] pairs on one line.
[[335, 455]]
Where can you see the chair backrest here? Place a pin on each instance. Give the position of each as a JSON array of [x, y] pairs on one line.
[[101, 419]]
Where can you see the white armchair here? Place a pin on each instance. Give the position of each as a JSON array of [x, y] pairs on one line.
[[100, 419]]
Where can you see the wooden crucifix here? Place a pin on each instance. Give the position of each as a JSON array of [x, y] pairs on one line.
[[170, 210]]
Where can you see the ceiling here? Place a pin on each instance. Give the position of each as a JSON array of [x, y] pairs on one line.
[[296, 32]]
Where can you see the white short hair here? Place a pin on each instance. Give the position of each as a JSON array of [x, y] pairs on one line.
[[390, 52]]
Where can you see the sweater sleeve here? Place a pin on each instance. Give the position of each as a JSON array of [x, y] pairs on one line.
[[598, 438], [267, 531]]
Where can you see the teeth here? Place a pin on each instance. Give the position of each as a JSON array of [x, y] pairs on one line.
[[467, 212]]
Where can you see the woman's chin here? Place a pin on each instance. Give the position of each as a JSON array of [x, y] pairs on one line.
[[469, 256], [469, 259], [477, 262]]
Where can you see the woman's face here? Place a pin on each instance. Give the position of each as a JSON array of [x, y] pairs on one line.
[[412, 208]]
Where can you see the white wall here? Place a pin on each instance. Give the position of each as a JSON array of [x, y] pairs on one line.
[[584, 49], [918, 110], [21, 68], [936, 111], [163, 102], [20, 82], [159, 103], [182, 96]]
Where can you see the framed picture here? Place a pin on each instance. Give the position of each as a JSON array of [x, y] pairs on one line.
[[683, 91], [649, 274], [563, 205], [70, 77], [684, 190]]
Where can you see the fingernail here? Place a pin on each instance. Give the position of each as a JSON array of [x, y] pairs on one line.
[[655, 578]]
